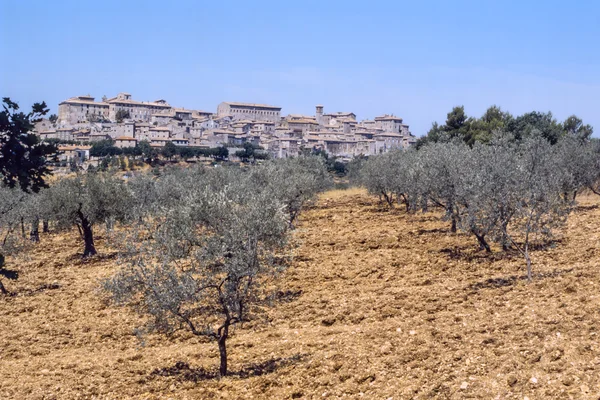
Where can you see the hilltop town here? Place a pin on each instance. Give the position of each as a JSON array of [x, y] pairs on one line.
[[127, 122]]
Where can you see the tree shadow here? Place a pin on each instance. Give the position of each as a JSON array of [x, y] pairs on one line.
[[432, 231], [79, 259], [9, 274], [183, 372], [591, 207], [286, 296], [42, 288], [496, 283]]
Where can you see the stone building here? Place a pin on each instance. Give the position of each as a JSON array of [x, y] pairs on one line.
[[75, 153], [332, 118], [255, 112], [81, 109], [138, 110], [391, 123], [302, 125], [65, 134], [84, 109], [125, 141], [283, 147]]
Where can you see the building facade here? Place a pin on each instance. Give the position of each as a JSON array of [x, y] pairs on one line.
[[255, 112], [80, 110]]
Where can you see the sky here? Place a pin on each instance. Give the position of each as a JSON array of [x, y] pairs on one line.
[[414, 59]]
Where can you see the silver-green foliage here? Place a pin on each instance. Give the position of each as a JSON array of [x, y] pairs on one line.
[[506, 192], [205, 259], [86, 200]]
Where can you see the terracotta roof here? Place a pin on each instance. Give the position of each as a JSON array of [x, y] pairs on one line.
[[302, 121], [76, 100], [139, 103], [389, 134], [129, 138], [235, 104]]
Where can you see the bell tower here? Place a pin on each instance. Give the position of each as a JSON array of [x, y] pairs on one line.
[[319, 115]]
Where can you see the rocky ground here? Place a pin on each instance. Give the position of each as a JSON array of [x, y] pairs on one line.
[[377, 304]]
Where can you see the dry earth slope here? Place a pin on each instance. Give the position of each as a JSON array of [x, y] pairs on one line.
[[377, 304]]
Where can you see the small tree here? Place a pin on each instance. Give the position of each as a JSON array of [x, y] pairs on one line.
[[146, 150], [539, 206], [186, 153], [377, 176], [442, 167], [122, 115], [295, 182], [248, 152], [169, 150], [85, 200], [203, 268], [220, 153], [11, 217]]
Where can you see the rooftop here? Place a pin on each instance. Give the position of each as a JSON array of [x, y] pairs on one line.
[[387, 117], [235, 104]]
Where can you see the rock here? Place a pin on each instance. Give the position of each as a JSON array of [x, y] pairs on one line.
[[45, 371], [533, 380], [584, 388], [511, 380], [386, 348], [464, 385], [412, 332]]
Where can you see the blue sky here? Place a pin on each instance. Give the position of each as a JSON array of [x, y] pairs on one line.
[[415, 59]]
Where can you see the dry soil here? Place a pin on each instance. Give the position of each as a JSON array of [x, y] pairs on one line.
[[378, 304]]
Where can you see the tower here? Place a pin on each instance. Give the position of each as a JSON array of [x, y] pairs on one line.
[[319, 115]]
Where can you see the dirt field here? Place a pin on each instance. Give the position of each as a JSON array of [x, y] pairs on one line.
[[377, 305]]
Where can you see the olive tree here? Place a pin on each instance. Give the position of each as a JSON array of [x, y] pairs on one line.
[[201, 262], [443, 166], [487, 192], [539, 206], [377, 176], [295, 182], [578, 165], [85, 200], [11, 200]]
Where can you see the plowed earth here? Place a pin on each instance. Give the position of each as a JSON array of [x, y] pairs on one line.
[[377, 304]]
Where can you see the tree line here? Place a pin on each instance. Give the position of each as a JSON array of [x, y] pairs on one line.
[[472, 130], [107, 148]]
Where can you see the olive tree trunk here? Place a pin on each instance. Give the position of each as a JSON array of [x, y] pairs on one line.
[[34, 233], [223, 348], [88, 236]]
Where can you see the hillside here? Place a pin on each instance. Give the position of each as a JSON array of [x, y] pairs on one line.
[[377, 304]]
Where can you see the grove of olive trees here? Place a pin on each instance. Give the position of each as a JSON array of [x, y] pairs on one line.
[[506, 191]]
